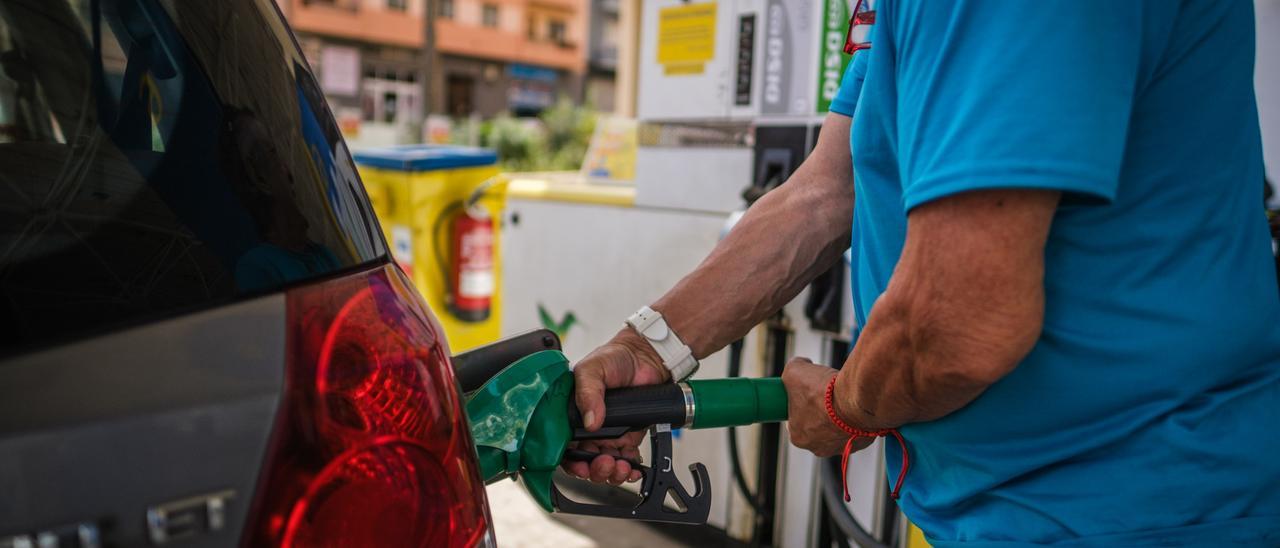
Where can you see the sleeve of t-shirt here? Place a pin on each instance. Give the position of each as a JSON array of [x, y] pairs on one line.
[[846, 98], [997, 94]]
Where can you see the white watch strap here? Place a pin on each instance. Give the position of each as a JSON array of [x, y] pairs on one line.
[[676, 355]]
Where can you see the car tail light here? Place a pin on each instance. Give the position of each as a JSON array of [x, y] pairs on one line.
[[371, 447]]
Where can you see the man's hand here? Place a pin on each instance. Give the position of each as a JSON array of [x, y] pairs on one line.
[[626, 360], [807, 419]]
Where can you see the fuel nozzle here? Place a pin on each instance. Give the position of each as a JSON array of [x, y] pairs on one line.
[[713, 403], [523, 419]]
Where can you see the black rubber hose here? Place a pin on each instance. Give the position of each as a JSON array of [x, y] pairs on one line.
[[735, 463], [833, 499]]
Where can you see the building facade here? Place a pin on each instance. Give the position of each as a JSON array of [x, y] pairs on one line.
[[602, 54], [516, 56], [494, 56]]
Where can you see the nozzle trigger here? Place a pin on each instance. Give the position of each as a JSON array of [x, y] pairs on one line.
[[658, 482]]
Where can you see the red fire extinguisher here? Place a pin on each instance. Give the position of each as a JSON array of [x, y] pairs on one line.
[[471, 289]]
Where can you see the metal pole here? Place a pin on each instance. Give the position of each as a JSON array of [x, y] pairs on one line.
[[429, 61], [628, 58]]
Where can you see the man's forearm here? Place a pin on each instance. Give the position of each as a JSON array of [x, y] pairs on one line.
[[901, 373], [965, 306], [785, 240]]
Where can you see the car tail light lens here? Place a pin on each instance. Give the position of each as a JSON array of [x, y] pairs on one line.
[[372, 446]]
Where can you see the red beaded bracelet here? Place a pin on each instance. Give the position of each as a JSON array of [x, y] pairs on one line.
[[854, 434]]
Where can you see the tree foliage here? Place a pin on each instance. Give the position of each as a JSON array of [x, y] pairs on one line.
[[554, 141]]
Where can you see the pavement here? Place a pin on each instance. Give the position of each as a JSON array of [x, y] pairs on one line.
[[519, 522]]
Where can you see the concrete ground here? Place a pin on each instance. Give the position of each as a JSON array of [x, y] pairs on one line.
[[520, 523]]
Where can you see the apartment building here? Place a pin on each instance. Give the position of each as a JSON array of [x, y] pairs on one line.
[[514, 55], [495, 56], [602, 53]]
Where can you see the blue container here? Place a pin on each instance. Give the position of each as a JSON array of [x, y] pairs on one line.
[[425, 157]]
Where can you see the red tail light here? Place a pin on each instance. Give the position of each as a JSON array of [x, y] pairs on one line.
[[372, 446]]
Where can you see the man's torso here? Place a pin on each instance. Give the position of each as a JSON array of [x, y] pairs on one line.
[[1148, 408]]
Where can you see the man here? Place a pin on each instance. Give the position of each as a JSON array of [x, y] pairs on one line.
[[1062, 279]]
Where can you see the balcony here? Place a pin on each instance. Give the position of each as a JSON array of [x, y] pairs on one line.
[[565, 5], [345, 19], [487, 43]]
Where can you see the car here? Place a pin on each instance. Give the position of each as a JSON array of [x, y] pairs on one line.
[[203, 339]]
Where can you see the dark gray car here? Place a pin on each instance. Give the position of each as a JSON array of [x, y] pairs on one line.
[[202, 341]]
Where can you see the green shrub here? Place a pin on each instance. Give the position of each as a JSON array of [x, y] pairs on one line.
[[554, 141]]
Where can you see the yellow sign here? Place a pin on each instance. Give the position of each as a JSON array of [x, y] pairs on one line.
[[612, 153], [686, 38]]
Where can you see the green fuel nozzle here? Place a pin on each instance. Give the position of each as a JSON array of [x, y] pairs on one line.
[[523, 418], [714, 403]]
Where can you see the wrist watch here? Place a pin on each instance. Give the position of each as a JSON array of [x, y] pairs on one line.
[[676, 356]]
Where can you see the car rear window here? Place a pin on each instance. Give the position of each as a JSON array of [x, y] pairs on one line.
[[160, 159]]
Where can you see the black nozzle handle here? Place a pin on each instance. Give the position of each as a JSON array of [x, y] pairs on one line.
[[634, 408]]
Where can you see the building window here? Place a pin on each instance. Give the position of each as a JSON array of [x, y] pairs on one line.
[[444, 9], [556, 32], [398, 5], [532, 30], [489, 17]]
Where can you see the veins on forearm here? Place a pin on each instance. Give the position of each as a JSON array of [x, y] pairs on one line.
[[918, 361], [790, 237]]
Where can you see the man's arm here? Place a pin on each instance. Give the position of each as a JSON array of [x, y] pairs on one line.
[[785, 240], [964, 307]]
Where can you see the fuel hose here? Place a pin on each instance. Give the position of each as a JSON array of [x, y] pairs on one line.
[[833, 500]]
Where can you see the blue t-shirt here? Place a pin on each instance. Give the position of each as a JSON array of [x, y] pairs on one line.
[[1149, 410]]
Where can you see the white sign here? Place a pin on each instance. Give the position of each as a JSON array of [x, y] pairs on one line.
[[340, 70]]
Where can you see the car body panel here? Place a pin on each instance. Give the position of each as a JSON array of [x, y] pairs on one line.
[[171, 173], [101, 430]]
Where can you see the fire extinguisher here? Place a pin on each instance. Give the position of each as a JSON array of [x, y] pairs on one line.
[[472, 281]]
